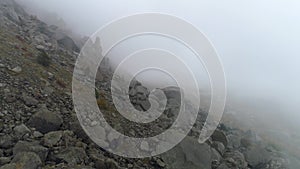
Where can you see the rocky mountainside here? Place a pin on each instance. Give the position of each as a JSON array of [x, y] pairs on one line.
[[39, 127]]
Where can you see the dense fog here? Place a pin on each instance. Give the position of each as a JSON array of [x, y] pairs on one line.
[[257, 41]]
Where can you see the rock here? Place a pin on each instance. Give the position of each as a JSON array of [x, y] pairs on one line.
[[276, 163], [189, 154], [235, 159], [220, 137], [29, 101], [27, 160], [160, 163], [106, 164], [145, 105], [72, 155], [6, 141], [4, 160], [68, 44], [40, 47], [9, 166], [172, 92], [10, 97], [223, 166], [233, 141], [45, 121], [52, 138], [141, 90], [134, 83], [216, 158], [37, 134], [132, 92], [34, 147], [257, 155], [82, 167], [17, 69], [21, 130], [2, 85], [219, 147]]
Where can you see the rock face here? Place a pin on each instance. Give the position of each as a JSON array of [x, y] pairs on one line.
[[46, 121]]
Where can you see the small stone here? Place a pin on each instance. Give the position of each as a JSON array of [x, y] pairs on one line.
[[17, 69], [21, 130], [160, 163], [51, 139], [141, 90], [37, 134], [10, 97], [2, 85], [29, 101], [40, 47]]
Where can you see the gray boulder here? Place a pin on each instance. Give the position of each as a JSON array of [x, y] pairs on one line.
[[189, 154], [21, 130], [26, 160], [220, 137], [45, 121], [34, 147], [71, 155], [6, 141], [257, 155]]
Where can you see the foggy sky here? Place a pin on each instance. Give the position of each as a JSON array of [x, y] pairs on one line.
[[257, 41]]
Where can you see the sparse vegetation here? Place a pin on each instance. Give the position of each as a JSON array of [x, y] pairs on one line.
[[61, 83], [102, 103]]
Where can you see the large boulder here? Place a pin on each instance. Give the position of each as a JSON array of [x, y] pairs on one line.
[[34, 147], [45, 121], [257, 155], [26, 160], [220, 137], [189, 154]]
